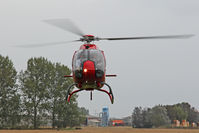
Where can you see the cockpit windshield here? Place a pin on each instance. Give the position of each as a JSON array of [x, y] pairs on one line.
[[88, 54]]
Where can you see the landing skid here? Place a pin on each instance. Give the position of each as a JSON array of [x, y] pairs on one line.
[[110, 93], [69, 94]]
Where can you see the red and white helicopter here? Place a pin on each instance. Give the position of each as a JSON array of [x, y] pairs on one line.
[[88, 63]]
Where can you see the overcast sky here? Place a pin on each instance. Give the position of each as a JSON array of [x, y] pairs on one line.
[[150, 72]]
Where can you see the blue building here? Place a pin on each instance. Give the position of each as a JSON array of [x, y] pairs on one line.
[[105, 117]]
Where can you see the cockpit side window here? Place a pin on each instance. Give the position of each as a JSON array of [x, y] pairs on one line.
[[97, 57], [79, 57]]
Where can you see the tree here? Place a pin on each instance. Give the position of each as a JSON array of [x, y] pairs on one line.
[[162, 115], [182, 111], [159, 116], [141, 118], [9, 96], [137, 117], [57, 92], [192, 113], [34, 86], [176, 113], [147, 123], [84, 111], [44, 89]]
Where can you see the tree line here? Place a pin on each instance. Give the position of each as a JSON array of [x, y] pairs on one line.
[[163, 115], [36, 96]]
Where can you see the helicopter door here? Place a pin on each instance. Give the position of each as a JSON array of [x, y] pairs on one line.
[[79, 57], [96, 56]]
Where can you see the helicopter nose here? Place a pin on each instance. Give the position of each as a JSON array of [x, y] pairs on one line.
[[89, 70]]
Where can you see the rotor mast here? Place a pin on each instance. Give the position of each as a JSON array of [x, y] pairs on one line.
[[87, 39]]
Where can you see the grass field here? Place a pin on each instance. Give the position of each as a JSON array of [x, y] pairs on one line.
[[106, 130]]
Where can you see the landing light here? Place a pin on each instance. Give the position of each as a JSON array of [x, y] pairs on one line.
[[85, 70]]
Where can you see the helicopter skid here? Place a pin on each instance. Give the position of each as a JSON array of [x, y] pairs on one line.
[[69, 94], [110, 93]]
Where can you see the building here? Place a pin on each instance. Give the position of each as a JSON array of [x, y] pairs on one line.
[[117, 123], [93, 121], [105, 117]]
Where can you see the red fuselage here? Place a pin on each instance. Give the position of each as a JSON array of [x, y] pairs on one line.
[[89, 67]]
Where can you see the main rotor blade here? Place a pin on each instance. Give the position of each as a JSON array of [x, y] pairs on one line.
[[151, 37], [44, 44], [65, 24]]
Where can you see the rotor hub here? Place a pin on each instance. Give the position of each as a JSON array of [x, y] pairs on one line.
[[89, 38]]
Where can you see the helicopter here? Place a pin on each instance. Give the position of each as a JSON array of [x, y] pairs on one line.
[[89, 63]]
